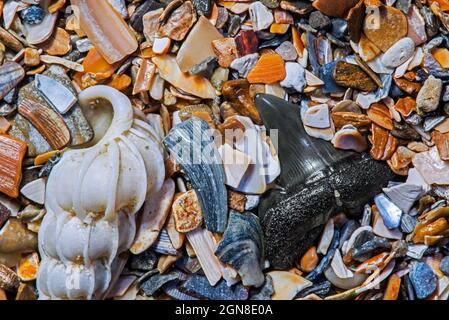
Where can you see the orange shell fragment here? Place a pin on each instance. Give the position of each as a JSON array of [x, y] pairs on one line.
[[12, 152], [442, 56], [106, 29], [444, 4], [279, 28], [297, 42], [393, 287], [269, 69], [28, 266]]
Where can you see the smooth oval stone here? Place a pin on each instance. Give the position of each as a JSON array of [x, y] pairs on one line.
[[399, 53], [428, 97], [423, 279], [444, 265]]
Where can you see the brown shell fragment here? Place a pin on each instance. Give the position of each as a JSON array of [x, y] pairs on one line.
[[236, 201], [401, 160], [405, 106], [385, 26], [380, 115], [355, 20], [442, 142], [58, 44], [393, 287], [9, 280], [343, 118], [412, 88], [334, 8], [431, 229], [384, 144], [226, 51], [12, 152], [237, 93], [178, 24], [352, 76], [187, 212], [48, 122], [144, 77]]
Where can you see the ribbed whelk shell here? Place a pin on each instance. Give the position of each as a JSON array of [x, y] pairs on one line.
[[93, 195]]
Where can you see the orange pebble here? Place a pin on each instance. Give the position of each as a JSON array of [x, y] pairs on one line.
[[269, 69], [309, 260]]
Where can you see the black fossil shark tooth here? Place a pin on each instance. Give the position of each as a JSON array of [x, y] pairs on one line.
[[316, 180]]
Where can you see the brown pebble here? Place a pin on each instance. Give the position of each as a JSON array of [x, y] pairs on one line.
[[58, 44], [236, 201], [32, 57]]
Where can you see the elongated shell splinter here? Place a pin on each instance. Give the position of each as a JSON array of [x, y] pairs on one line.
[[93, 196]]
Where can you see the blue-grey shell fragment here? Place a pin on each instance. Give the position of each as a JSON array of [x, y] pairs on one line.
[[198, 287], [192, 146], [423, 279], [155, 282], [391, 214], [242, 247]]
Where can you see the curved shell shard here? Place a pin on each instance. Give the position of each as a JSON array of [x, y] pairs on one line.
[[242, 247], [93, 195], [192, 145]]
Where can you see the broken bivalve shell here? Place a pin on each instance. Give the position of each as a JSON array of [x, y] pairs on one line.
[[47, 121], [106, 29], [153, 217], [349, 138], [35, 191], [11, 73], [242, 247], [203, 168], [196, 85], [12, 153]]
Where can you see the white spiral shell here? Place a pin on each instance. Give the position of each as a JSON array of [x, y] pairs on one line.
[[92, 198]]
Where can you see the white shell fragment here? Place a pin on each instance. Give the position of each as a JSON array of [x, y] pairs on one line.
[[57, 95], [35, 191], [431, 167], [261, 16], [203, 244], [317, 117], [326, 238], [404, 195], [287, 284]]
